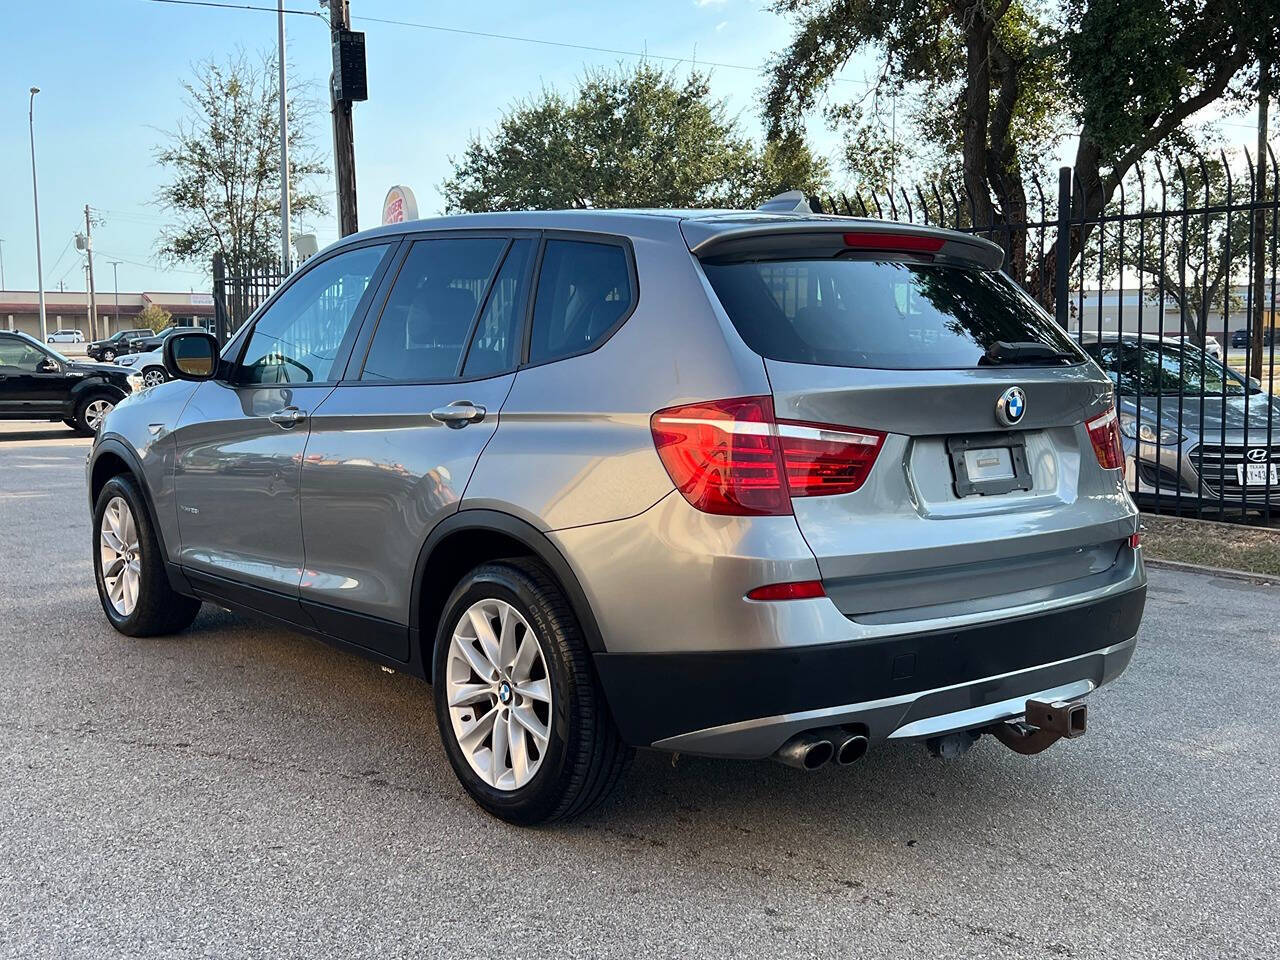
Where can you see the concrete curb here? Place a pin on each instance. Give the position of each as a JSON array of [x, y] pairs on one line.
[[1262, 578]]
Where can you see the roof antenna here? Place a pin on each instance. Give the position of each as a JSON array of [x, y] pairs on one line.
[[793, 201]]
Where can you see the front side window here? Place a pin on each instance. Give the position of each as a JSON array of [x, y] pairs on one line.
[[299, 338], [20, 355], [429, 312], [584, 289]]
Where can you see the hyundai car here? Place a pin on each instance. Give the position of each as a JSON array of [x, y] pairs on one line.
[[733, 484]]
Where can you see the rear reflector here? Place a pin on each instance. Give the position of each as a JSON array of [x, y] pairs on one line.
[[799, 590], [910, 243], [1104, 434], [733, 457], [1135, 540]]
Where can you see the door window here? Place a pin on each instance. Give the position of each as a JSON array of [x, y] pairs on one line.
[[584, 289], [493, 345], [300, 337], [23, 356], [430, 309]]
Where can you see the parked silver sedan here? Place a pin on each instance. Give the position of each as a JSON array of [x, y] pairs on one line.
[[1198, 435]]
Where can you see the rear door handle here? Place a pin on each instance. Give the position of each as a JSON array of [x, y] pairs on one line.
[[287, 417], [459, 413]]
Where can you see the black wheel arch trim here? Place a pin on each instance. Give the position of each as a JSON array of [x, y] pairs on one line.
[[538, 543], [116, 445]]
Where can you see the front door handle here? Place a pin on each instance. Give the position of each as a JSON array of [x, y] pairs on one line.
[[288, 417], [459, 413]]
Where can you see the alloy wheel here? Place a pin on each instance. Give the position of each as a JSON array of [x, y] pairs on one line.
[[119, 558], [153, 377], [95, 412], [499, 694]]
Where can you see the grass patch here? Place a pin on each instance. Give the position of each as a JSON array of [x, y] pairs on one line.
[[1212, 544]]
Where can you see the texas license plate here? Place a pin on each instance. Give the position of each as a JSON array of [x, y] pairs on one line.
[[1257, 474]]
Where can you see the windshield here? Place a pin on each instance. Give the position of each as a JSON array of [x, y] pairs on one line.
[[1153, 367], [883, 313]]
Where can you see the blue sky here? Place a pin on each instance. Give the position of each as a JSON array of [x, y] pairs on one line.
[[109, 72]]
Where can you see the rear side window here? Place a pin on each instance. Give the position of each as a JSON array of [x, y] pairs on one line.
[[584, 289], [427, 319], [886, 314], [493, 345]]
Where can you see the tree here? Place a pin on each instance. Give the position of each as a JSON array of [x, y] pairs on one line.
[[994, 85], [631, 137], [155, 316], [223, 162]]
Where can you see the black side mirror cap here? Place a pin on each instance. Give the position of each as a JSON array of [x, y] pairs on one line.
[[191, 356]]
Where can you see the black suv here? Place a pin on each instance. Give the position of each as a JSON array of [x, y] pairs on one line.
[[154, 341], [116, 345], [38, 383]]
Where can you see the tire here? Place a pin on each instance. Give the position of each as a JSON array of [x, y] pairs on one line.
[[89, 413], [583, 757], [108, 356], [154, 376], [157, 608]]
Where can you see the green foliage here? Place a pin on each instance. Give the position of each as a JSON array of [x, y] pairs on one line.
[[631, 137], [155, 316], [223, 165]]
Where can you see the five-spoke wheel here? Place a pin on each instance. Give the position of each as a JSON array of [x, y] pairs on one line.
[[119, 556]]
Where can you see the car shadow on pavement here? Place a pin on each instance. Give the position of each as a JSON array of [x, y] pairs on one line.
[[50, 432]]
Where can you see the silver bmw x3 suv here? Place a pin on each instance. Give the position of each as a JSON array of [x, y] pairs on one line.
[[731, 484]]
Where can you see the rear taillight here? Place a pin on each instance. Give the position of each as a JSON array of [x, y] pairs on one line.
[[795, 590], [734, 457], [896, 242], [1104, 434]]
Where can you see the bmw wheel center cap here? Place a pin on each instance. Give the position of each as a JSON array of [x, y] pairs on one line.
[[1011, 406]]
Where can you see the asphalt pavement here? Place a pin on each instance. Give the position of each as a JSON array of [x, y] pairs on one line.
[[241, 791]]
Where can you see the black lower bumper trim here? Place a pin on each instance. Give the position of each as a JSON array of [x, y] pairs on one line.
[[658, 695]]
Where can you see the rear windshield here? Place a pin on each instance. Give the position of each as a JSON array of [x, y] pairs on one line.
[[888, 314]]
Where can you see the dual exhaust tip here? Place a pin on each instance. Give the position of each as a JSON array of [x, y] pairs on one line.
[[816, 748]]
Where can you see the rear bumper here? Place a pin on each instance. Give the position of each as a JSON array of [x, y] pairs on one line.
[[747, 703]]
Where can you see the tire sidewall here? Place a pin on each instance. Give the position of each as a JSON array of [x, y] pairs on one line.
[[536, 799], [124, 487]]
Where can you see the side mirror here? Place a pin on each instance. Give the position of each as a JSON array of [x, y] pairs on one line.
[[48, 365], [191, 356]]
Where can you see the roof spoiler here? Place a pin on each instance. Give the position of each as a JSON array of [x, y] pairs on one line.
[[792, 201], [827, 235]]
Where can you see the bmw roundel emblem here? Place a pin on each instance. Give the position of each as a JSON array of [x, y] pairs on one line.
[[1011, 406]]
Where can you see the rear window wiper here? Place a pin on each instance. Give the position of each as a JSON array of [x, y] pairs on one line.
[[1002, 351]]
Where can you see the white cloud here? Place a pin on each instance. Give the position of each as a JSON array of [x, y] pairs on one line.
[[710, 3], [721, 25]]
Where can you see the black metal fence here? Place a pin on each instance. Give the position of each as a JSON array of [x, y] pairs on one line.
[[1168, 279], [238, 291]]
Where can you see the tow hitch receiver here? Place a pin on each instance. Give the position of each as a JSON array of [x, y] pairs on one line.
[[1045, 725]]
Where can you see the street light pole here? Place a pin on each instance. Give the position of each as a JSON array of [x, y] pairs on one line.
[[115, 275], [35, 197], [284, 151]]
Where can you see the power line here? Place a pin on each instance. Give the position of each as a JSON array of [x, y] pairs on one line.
[[643, 55]]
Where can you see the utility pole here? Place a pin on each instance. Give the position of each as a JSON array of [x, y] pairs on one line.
[[115, 267], [347, 85], [1259, 278], [284, 150], [1, 264], [93, 298], [35, 197]]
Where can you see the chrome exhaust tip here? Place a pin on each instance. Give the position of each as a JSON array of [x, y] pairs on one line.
[[806, 751], [851, 748]]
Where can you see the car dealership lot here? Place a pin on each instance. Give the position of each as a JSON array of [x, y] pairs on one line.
[[243, 791]]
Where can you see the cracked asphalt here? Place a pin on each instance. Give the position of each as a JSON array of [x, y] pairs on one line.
[[240, 791]]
